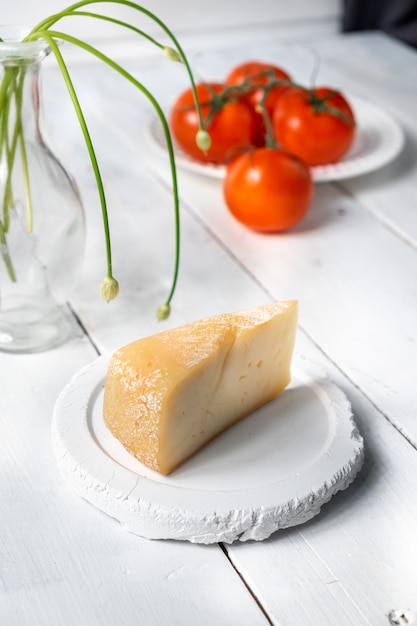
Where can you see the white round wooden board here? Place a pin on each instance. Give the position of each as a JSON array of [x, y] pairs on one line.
[[379, 140], [272, 470]]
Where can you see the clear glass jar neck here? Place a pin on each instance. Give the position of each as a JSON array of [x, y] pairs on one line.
[[25, 101], [14, 52]]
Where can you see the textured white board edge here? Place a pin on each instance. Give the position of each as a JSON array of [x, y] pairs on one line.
[[161, 508]]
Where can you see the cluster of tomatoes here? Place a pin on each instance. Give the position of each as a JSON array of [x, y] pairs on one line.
[[268, 132]]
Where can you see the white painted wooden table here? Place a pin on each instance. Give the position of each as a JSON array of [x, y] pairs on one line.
[[353, 266]]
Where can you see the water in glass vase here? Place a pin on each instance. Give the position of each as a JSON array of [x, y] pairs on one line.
[[41, 214]]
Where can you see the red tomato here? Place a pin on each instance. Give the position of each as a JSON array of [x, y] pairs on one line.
[[231, 123], [268, 189], [256, 74], [317, 125]]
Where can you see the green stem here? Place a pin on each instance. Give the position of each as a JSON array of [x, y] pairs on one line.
[[16, 90], [72, 10], [320, 104], [49, 37], [7, 89], [46, 24], [23, 152], [5, 254], [26, 184], [11, 154], [113, 20], [115, 66]]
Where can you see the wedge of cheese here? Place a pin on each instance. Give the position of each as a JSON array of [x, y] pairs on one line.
[[169, 394]]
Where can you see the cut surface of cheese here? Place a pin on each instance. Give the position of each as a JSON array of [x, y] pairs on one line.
[[169, 394]]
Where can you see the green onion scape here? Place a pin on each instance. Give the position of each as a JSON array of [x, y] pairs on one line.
[[11, 89]]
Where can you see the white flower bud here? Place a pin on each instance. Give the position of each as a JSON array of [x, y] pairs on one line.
[[109, 288], [203, 140], [172, 54], [163, 312]]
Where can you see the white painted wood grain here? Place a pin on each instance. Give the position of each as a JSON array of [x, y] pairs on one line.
[[355, 281], [64, 562], [358, 560]]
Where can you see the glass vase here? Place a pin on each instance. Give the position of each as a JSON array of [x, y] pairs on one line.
[[41, 213]]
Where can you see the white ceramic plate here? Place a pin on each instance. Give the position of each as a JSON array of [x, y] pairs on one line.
[[379, 139], [274, 469]]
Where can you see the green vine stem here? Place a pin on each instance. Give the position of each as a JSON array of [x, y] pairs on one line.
[[11, 88], [22, 145], [49, 36], [5, 253], [4, 146], [71, 10]]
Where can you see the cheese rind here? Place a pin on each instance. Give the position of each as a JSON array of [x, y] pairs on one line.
[[169, 394]]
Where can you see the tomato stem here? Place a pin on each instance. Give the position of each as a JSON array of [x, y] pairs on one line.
[[320, 105]]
